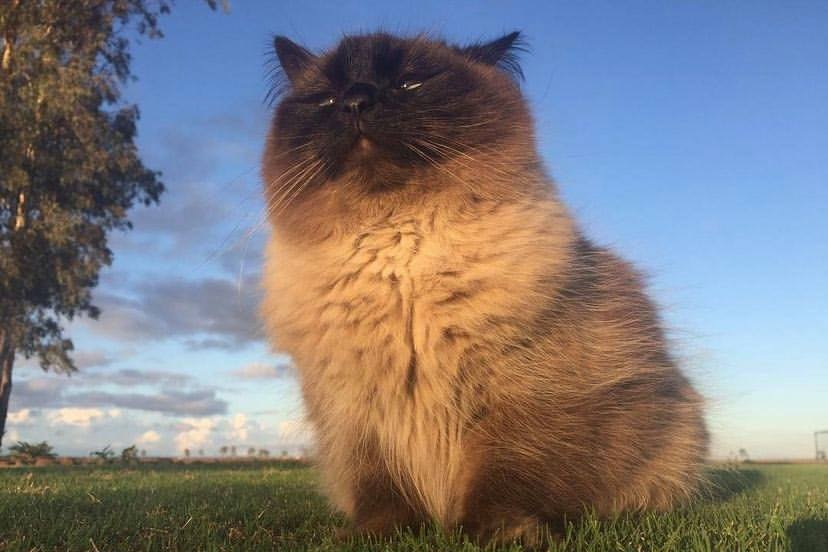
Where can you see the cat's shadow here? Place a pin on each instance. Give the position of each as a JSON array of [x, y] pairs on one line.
[[722, 483], [808, 535]]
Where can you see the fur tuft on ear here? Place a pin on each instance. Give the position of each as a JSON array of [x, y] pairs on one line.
[[502, 52], [287, 61], [292, 57]]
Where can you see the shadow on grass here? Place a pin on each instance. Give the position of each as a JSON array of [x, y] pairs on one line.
[[808, 535], [723, 484]]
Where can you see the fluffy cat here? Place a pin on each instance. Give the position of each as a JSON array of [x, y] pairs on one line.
[[466, 355]]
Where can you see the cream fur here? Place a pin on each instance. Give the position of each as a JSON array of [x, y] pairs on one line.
[[353, 310]]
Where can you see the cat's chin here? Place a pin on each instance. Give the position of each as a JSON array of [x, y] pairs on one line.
[[364, 153], [373, 165]]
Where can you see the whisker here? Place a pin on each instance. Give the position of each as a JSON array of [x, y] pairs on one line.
[[291, 184], [322, 167], [468, 185]]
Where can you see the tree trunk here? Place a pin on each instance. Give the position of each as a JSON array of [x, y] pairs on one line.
[[5, 61], [9, 36], [20, 218], [6, 363], [6, 345]]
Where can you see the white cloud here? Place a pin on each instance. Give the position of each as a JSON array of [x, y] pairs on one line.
[[238, 425], [82, 417], [114, 412], [261, 370], [195, 433], [20, 417], [11, 436], [295, 430], [148, 438]]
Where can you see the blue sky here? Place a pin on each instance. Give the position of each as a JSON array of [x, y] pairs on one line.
[[689, 136]]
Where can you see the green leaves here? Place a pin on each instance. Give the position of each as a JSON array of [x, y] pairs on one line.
[[69, 167], [32, 450]]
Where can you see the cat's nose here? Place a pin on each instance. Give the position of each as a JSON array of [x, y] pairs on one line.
[[359, 98]]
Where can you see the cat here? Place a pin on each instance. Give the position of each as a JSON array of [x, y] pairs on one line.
[[467, 357]]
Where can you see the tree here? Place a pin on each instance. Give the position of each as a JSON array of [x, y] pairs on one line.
[[69, 167], [106, 454], [129, 454], [32, 450]]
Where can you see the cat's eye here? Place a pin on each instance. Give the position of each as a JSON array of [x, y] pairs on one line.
[[327, 101], [410, 85]]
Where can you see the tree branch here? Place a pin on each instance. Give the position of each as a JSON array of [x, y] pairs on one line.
[[20, 217], [9, 37]]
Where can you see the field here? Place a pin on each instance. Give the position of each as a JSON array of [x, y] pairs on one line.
[[274, 506]]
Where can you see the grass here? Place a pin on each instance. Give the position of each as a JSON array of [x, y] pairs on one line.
[[273, 506]]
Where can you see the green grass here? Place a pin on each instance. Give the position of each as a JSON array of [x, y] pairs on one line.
[[275, 507]]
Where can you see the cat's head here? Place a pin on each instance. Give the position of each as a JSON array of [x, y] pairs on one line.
[[377, 110]]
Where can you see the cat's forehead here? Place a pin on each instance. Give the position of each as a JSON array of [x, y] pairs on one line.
[[365, 57]]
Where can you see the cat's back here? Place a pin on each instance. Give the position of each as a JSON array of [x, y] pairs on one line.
[[599, 371]]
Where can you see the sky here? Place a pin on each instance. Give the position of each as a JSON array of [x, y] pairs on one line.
[[689, 136]]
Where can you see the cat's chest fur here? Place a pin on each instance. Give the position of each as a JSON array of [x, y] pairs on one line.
[[379, 320], [378, 312]]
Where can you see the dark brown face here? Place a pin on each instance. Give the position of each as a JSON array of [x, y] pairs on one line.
[[379, 108]]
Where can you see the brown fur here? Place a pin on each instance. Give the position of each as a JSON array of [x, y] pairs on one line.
[[467, 356]]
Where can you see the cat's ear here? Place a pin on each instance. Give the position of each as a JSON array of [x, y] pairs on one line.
[[293, 58], [501, 52]]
